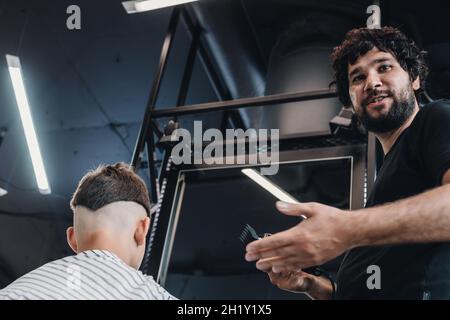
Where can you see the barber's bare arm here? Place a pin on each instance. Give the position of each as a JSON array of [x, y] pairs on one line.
[[328, 232]]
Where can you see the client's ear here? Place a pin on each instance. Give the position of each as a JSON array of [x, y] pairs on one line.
[[71, 239], [141, 231]]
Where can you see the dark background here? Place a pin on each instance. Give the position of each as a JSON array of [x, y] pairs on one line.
[[88, 88]]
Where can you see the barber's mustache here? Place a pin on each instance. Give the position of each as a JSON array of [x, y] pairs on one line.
[[375, 93]]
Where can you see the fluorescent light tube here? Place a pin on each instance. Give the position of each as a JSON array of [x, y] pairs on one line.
[[30, 134], [146, 5], [279, 193], [3, 192], [275, 190]]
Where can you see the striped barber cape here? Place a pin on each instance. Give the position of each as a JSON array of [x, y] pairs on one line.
[[89, 275]]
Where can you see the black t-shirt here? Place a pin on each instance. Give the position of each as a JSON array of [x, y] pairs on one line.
[[415, 163]]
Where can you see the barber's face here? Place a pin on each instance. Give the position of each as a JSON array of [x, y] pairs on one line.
[[381, 91]]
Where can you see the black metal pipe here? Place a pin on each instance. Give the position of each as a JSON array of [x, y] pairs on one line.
[[156, 129], [244, 103], [144, 130], [371, 159], [151, 168], [3, 131], [187, 73], [236, 119], [224, 121], [216, 81]]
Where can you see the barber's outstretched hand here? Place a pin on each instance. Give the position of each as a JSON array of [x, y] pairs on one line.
[[324, 235]]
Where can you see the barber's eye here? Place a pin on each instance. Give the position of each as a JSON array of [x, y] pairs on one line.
[[385, 67], [357, 78]]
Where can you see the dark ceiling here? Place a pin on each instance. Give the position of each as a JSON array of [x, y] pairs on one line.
[[87, 88]]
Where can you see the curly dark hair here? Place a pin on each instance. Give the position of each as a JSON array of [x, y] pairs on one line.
[[358, 42]]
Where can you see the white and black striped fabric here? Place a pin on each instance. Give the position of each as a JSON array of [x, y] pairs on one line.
[[90, 275]]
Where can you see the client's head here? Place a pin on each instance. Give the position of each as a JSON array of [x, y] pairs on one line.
[[111, 212]]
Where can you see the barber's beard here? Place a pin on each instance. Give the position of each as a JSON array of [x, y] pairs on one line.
[[402, 108]]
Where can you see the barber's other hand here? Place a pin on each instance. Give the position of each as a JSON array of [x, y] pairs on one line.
[[302, 282], [294, 281], [325, 234]]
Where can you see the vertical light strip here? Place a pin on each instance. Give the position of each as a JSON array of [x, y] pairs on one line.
[[147, 5], [30, 134], [3, 192], [279, 193]]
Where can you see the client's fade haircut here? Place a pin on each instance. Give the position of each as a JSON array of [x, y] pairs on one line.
[[110, 183], [358, 42]]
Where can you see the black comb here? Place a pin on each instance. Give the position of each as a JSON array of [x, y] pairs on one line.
[[248, 235]]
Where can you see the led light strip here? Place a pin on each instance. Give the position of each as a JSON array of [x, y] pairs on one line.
[[30, 134], [279, 193], [147, 5], [275, 190]]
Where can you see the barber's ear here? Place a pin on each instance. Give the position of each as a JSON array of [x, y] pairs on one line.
[[71, 239], [416, 84], [141, 231]]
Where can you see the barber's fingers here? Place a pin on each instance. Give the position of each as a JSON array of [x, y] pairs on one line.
[[266, 264], [305, 209], [279, 264], [285, 278], [268, 253], [272, 246]]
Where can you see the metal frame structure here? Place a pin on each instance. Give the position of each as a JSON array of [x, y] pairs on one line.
[[149, 127], [165, 236]]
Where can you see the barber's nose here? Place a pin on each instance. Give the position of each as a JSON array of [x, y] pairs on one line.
[[373, 81]]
